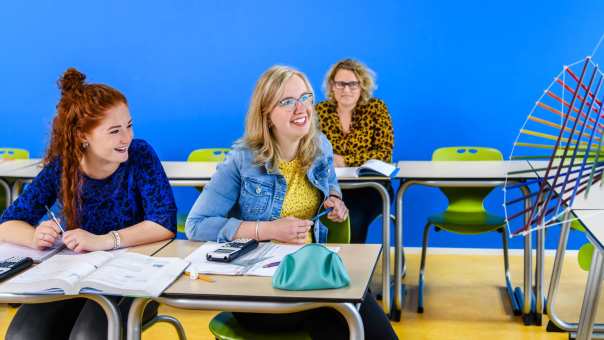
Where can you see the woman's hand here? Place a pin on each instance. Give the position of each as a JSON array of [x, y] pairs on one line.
[[79, 240], [338, 161], [288, 229], [339, 212], [45, 235]]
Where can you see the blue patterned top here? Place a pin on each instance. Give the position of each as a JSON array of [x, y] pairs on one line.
[[137, 191]]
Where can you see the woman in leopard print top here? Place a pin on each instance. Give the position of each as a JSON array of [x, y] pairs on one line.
[[359, 128]]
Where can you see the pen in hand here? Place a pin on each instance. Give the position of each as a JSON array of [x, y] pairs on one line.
[[322, 213], [54, 218]]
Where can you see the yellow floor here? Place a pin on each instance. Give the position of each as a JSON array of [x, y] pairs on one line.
[[464, 299]]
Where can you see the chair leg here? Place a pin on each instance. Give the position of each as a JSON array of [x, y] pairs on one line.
[[167, 319], [422, 266], [508, 276]]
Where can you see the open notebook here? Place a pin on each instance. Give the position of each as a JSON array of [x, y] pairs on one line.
[[372, 167], [126, 274]]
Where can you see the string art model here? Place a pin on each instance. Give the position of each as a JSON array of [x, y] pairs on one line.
[[561, 141]]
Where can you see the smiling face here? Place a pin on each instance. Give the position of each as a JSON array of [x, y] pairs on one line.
[[346, 96], [291, 117], [108, 142]]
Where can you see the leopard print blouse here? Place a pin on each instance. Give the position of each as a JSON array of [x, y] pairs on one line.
[[370, 137]]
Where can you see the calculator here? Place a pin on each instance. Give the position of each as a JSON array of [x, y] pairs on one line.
[[13, 265], [232, 250]]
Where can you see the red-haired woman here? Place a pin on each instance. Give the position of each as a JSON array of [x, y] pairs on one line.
[[112, 192]]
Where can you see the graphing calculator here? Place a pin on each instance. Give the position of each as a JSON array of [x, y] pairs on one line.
[[14, 265], [232, 250]]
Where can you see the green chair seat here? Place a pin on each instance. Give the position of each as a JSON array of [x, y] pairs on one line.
[[467, 223], [224, 326]]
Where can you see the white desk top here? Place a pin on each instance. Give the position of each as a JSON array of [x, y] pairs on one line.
[[594, 200], [359, 259], [463, 170], [428, 170], [8, 167], [593, 221], [189, 170]]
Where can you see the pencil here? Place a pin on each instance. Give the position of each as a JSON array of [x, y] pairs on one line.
[[202, 277]]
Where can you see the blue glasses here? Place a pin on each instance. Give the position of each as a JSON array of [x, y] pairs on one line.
[[290, 103]]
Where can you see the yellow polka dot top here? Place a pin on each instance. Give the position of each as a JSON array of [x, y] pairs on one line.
[[302, 199]]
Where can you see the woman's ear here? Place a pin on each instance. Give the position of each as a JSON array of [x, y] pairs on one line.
[[82, 139]]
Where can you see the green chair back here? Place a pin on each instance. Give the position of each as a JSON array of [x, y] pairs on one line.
[[584, 256], [208, 155], [13, 153], [339, 232], [465, 212]]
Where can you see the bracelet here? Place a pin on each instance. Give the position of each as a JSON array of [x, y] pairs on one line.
[[257, 233], [116, 239]]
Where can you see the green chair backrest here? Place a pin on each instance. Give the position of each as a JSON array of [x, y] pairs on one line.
[[584, 256], [466, 199], [13, 153], [339, 232], [208, 155]]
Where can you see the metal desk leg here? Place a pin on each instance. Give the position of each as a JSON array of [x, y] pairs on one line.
[[528, 278], [348, 310], [113, 315], [114, 325], [539, 270], [353, 318], [386, 302], [556, 324], [135, 318], [7, 191], [591, 297], [524, 297], [399, 256], [17, 188]]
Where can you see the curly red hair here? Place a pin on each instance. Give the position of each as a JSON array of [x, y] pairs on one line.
[[81, 108]]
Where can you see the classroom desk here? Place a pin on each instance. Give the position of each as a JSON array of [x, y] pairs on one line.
[[9, 167], [583, 208], [197, 174], [593, 221], [110, 309], [468, 173], [256, 294]]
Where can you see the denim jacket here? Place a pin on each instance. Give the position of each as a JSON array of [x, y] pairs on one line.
[[242, 190]]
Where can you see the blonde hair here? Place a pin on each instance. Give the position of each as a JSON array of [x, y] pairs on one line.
[[364, 74], [259, 135]]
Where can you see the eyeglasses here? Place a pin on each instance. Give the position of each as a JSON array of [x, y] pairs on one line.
[[290, 103], [353, 85]]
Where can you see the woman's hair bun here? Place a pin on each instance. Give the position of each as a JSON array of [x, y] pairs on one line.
[[72, 81]]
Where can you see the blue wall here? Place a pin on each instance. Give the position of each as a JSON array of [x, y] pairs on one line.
[[451, 73]]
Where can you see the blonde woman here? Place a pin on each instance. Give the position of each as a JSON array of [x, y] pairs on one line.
[[359, 128], [277, 177]]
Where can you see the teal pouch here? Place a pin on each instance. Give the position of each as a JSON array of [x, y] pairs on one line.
[[311, 267]]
